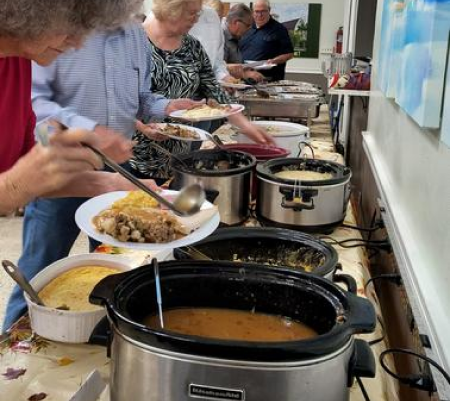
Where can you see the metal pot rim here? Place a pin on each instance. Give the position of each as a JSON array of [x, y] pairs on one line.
[[178, 167], [351, 313], [263, 171]]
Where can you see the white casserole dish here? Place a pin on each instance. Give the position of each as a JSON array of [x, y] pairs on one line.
[[62, 325], [287, 135]]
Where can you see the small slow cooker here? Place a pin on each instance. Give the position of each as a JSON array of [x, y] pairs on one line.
[[313, 206], [158, 365], [270, 246], [225, 172]]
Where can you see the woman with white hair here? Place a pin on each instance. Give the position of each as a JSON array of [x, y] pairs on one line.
[[40, 30], [181, 69]]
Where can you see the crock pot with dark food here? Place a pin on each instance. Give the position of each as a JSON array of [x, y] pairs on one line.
[[268, 246]]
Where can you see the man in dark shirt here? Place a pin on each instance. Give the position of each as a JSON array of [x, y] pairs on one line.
[[267, 40], [239, 20]]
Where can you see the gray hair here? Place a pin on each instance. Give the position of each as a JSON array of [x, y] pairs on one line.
[[33, 18], [266, 2], [239, 12], [170, 9]]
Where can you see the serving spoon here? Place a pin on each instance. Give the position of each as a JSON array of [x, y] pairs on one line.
[[188, 201], [14, 272]]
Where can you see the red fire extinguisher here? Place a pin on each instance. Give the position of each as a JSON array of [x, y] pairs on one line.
[[339, 39]]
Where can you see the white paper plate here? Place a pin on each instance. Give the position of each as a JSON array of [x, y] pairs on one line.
[[202, 134], [234, 85], [94, 206], [259, 65], [236, 108]]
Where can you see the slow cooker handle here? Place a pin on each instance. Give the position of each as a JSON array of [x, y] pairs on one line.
[[348, 280], [361, 317], [103, 292], [362, 362]]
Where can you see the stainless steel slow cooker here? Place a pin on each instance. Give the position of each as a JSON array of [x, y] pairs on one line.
[[159, 365], [314, 206], [269, 246], [226, 172]]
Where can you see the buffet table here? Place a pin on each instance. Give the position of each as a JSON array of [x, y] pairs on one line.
[[32, 368]]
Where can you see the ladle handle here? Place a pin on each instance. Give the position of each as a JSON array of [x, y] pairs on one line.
[[130, 177], [14, 272]]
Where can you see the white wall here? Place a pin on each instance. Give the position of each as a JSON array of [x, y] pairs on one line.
[[332, 19], [414, 167]]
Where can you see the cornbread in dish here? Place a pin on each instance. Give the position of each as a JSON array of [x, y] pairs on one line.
[[71, 289]]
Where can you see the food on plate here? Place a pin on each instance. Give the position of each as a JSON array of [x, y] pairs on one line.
[[135, 224], [135, 199], [71, 289], [208, 110], [229, 324], [303, 175], [181, 132]]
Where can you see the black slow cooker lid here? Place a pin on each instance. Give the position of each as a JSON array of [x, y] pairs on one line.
[[339, 172], [334, 314], [268, 246], [214, 162]]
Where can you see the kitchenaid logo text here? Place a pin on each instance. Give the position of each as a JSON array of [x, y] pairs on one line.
[[215, 393]]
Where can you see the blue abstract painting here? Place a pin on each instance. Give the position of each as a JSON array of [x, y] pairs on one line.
[[413, 56]]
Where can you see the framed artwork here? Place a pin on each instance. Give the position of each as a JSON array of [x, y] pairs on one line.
[[303, 21], [413, 56]]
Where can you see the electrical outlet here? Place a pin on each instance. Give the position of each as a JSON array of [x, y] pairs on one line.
[[326, 50]]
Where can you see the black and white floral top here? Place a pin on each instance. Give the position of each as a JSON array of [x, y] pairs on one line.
[[182, 73]]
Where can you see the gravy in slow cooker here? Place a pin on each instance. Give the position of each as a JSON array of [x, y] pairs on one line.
[[229, 324], [303, 175]]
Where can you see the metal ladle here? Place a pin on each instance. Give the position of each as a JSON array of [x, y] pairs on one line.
[[14, 272], [188, 201]]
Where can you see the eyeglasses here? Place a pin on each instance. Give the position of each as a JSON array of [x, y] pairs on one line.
[[260, 12]]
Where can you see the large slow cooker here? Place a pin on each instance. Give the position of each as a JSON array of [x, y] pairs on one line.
[[307, 205], [225, 172], [158, 365], [271, 246]]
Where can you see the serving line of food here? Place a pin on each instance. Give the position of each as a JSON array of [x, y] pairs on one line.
[[204, 342]]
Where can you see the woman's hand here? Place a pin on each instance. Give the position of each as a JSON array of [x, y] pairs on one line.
[[254, 132], [151, 131], [182, 104]]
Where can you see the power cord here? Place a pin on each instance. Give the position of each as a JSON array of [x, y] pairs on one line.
[[365, 229], [363, 389], [392, 277], [383, 330], [419, 382], [357, 242]]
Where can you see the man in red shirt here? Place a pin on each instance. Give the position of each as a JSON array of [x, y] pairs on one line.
[[40, 31]]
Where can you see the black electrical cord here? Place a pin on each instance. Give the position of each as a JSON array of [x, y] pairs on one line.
[[380, 244], [394, 277], [418, 382], [383, 330], [365, 229], [363, 389]]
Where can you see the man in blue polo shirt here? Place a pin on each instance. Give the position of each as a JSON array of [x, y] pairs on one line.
[[267, 40]]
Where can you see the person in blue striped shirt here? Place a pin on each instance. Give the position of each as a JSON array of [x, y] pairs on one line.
[[102, 87]]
